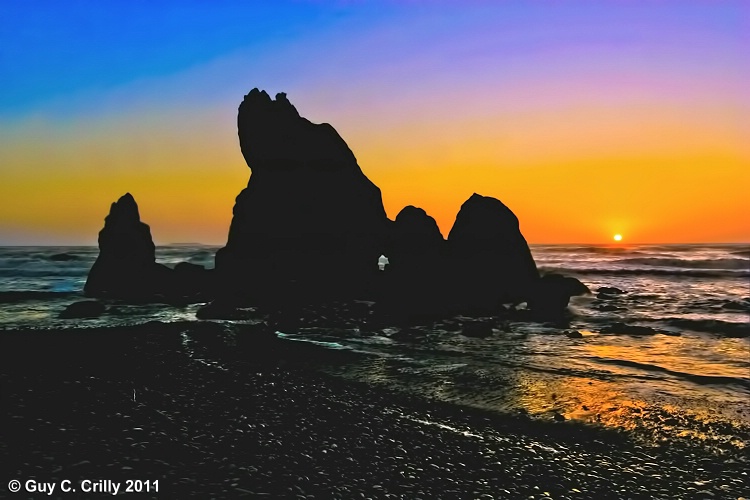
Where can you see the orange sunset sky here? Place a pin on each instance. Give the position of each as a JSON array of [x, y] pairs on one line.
[[586, 118]]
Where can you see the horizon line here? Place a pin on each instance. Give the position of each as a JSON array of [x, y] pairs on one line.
[[187, 244]]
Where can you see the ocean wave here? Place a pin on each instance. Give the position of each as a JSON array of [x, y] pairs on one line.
[[724, 328], [693, 247], [585, 249], [689, 263], [742, 253], [45, 272], [692, 377], [23, 296], [620, 271], [64, 257]]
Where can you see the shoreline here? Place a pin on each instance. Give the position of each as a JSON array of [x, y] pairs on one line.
[[133, 403]]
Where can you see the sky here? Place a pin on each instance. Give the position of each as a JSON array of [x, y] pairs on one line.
[[586, 118]]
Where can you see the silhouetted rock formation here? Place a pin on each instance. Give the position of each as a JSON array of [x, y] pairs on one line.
[[491, 263], [126, 267], [416, 270], [608, 292], [416, 241], [625, 329], [485, 263], [309, 223], [552, 294], [83, 309], [478, 329], [310, 227], [192, 281]]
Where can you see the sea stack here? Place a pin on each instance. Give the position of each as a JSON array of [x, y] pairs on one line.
[[415, 275], [309, 222], [416, 243], [126, 266], [491, 263]]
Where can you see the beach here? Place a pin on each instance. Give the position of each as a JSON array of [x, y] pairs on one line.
[[242, 412], [636, 393]]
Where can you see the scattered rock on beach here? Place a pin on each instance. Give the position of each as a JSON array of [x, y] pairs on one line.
[[409, 334], [736, 305], [286, 320], [607, 307], [478, 329], [623, 328], [606, 292], [83, 309], [220, 310]]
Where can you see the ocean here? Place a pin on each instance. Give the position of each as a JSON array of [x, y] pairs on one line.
[[684, 374]]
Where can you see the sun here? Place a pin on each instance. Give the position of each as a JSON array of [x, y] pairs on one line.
[[618, 237]]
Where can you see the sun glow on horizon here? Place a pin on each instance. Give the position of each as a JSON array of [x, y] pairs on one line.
[[618, 237], [534, 107]]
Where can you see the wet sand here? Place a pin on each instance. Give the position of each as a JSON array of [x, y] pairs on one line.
[[258, 417]]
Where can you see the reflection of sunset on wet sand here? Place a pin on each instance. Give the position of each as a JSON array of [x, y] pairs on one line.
[[648, 385]]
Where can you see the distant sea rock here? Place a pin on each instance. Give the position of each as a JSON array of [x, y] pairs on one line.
[[310, 223]]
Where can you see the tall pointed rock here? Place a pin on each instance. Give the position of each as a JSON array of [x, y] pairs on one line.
[[125, 267], [309, 220]]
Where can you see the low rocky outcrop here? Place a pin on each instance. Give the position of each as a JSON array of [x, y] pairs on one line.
[[552, 293], [83, 309], [636, 330], [309, 224], [477, 329], [221, 310], [191, 281], [609, 292]]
